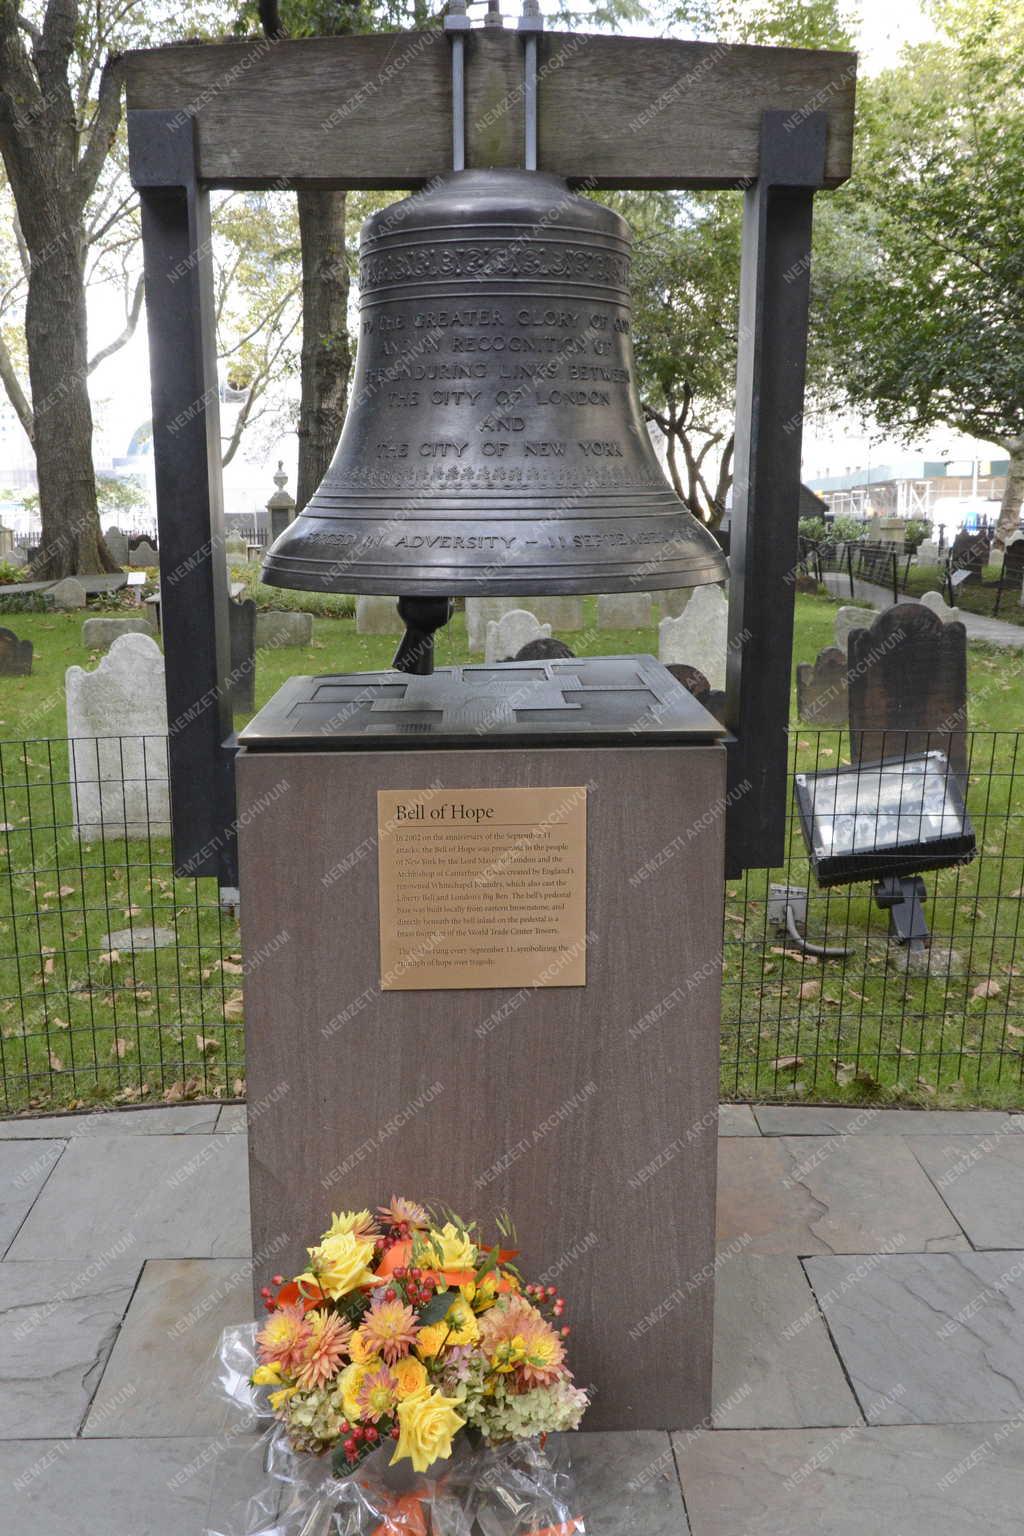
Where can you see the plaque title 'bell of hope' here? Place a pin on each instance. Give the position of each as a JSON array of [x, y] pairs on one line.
[[495, 441]]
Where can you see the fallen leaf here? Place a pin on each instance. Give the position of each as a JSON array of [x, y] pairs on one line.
[[809, 989], [990, 988], [237, 970], [48, 966], [782, 1063], [207, 1043], [132, 911], [1018, 1034], [921, 1083], [56, 1063], [234, 1007], [121, 1046], [111, 957], [66, 890]]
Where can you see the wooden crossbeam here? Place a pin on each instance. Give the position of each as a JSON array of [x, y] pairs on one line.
[[375, 111]]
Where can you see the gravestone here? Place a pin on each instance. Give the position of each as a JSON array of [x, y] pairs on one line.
[[6, 540], [699, 637], [671, 603], [849, 618], [1013, 564], [379, 616], [562, 613], [242, 644], [624, 610], [928, 552], [117, 543], [822, 692], [16, 556], [283, 626], [15, 655], [970, 553], [908, 687], [117, 729], [66, 595], [142, 552], [281, 506], [99, 634], [938, 605], [507, 635]]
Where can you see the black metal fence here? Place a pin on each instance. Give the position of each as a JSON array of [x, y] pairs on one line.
[[881, 1020], [120, 983]]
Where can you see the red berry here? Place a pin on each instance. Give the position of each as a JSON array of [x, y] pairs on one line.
[[278, 1279], [401, 1272], [264, 1290], [394, 1431], [358, 1434], [416, 1274], [566, 1331], [351, 1450], [372, 1435], [551, 1291], [269, 1306], [343, 1427]]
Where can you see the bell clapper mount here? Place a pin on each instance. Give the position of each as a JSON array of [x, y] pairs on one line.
[[422, 616]]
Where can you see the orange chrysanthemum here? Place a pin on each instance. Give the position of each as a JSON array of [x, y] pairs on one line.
[[402, 1212], [328, 1342], [283, 1338], [389, 1329], [378, 1394]]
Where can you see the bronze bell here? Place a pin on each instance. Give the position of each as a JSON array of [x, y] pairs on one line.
[[495, 441]]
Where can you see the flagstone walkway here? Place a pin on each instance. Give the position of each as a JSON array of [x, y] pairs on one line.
[[869, 1354]]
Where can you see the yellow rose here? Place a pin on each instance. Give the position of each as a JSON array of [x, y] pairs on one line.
[[457, 1251], [358, 1347], [340, 1263], [427, 1422], [266, 1375], [349, 1221], [430, 1339], [411, 1375]]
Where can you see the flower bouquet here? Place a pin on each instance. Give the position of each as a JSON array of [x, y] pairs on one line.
[[412, 1376]]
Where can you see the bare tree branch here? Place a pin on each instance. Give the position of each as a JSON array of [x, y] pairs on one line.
[[134, 310], [15, 394]]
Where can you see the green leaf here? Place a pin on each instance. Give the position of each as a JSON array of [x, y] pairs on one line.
[[436, 1310]]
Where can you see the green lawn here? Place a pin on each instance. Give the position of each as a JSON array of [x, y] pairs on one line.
[[82, 1024], [970, 597]]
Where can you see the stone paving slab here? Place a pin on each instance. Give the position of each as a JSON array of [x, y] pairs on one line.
[[232, 1120], [163, 1120], [627, 1483], [160, 1373], [60, 1320], [737, 1120], [826, 1120], [775, 1367], [176, 1197], [24, 1169], [116, 1487], [934, 1480], [931, 1338], [981, 1179], [801, 1195]]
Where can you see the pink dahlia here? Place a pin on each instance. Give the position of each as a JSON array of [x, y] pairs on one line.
[[378, 1394], [403, 1213], [283, 1338], [389, 1329], [518, 1341], [328, 1343]]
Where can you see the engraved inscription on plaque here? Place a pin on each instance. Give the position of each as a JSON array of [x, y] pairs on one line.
[[482, 888]]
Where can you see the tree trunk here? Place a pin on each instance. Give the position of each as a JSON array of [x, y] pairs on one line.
[[326, 351], [55, 331], [1013, 496]]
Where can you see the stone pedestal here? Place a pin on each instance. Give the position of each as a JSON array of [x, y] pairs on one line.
[[589, 1112]]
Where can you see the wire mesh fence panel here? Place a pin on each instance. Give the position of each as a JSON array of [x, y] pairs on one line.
[[820, 1000], [119, 982]]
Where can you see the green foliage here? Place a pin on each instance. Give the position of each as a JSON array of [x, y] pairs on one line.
[[113, 494], [847, 530], [918, 529], [920, 282], [812, 528]]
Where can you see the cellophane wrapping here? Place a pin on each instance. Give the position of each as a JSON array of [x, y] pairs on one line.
[[264, 1488]]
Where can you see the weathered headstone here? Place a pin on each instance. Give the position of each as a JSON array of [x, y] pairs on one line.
[[699, 637], [1013, 563], [142, 552], [66, 595], [6, 540], [562, 613], [849, 618], [692, 679], [378, 616], [506, 636], [908, 686], [671, 603], [938, 605], [283, 626], [242, 648], [624, 610], [970, 553], [117, 727], [15, 655], [822, 688], [928, 552], [281, 506], [117, 543], [100, 633], [16, 555]]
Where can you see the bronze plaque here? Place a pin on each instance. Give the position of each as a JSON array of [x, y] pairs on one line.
[[482, 887]]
